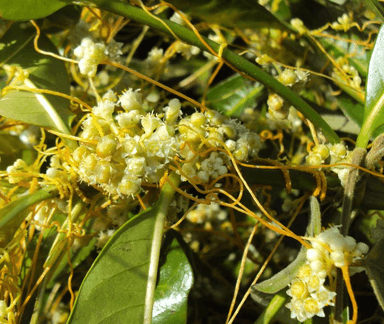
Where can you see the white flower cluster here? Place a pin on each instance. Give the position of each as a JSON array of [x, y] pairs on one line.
[[350, 71], [337, 153], [329, 250], [277, 107], [3, 311], [211, 129], [91, 54], [14, 171], [186, 50], [122, 150], [104, 237], [132, 146], [203, 213], [309, 295], [344, 23]]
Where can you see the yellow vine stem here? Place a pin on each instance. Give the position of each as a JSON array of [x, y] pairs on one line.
[[201, 39], [213, 76], [75, 138], [72, 301], [174, 226], [322, 75], [156, 83], [141, 4], [304, 198], [100, 21], [280, 228], [242, 267], [37, 49], [46, 91], [347, 281]]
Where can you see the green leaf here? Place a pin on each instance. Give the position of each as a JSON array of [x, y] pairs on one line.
[[374, 98], [376, 7], [45, 72], [314, 226], [176, 280], [11, 149], [374, 267], [65, 18], [114, 289], [235, 13], [341, 123], [12, 215], [120, 285], [272, 309], [356, 55], [281, 279], [237, 61], [29, 9], [233, 95]]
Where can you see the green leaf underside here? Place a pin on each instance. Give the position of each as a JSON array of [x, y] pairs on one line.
[[281, 280], [233, 95], [45, 72], [114, 289], [29, 9], [171, 295], [374, 98]]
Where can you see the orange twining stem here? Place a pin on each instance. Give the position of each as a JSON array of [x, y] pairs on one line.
[[347, 281], [160, 85]]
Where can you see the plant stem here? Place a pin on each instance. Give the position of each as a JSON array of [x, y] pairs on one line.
[[238, 62], [358, 157], [161, 207]]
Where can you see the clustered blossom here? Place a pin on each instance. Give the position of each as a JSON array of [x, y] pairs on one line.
[[332, 154], [207, 213], [15, 171], [330, 250], [92, 54], [277, 107], [122, 150]]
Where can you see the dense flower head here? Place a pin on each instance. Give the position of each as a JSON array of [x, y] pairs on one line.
[[92, 54], [125, 146], [329, 250]]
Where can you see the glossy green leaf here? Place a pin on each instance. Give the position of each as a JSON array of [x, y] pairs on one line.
[[12, 215], [45, 72], [233, 95], [29, 9], [175, 282], [235, 13], [120, 285], [114, 289], [374, 101]]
